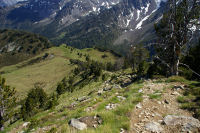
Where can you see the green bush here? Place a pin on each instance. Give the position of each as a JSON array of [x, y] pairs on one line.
[[34, 123], [53, 101], [157, 68], [52, 130], [7, 102], [104, 77], [143, 68], [185, 72], [176, 79], [35, 101]]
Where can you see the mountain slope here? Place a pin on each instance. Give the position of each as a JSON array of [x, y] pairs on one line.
[[49, 67], [5, 3], [126, 22], [93, 22], [106, 107], [16, 46]]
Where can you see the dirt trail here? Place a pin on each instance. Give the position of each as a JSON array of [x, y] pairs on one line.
[[154, 110]]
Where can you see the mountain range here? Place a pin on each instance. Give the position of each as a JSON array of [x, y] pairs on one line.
[[106, 23], [6, 3]]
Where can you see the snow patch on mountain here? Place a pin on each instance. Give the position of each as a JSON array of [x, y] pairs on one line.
[[159, 1], [139, 25], [10, 2]]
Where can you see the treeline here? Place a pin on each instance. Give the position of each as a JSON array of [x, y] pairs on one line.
[[17, 46], [85, 71]]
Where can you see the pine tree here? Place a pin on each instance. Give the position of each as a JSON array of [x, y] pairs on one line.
[[7, 101], [53, 101], [35, 101], [138, 55], [175, 31]]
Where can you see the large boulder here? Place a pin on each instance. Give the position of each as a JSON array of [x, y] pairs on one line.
[[154, 127], [186, 123], [87, 121], [77, 124], [92, 121]]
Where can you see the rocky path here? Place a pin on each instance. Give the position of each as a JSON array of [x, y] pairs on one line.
[[159, 111]]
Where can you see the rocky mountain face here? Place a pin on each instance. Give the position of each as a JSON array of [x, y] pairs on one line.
[[5, 3], [86, 23]]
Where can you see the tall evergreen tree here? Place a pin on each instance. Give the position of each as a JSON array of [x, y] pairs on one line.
[[7, 101], [175, 31], [138, 55]]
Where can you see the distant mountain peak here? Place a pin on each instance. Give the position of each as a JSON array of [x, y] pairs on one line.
[[84, 23]]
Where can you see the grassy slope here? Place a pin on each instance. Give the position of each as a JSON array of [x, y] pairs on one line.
[[49, 71], [113, 120]]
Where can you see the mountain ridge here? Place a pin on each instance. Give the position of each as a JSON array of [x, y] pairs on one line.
[[17, 46], [56, 18]]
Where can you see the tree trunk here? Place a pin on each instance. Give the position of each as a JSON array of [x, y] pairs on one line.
[[1, 122], [174, 64], [174, 67]]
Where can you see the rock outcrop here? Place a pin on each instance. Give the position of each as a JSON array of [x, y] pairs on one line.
[[77, 124], [187, 123]]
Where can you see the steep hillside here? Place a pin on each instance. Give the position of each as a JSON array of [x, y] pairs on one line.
[[49, 67], [107, 107], [16, 46], [4, 3]]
